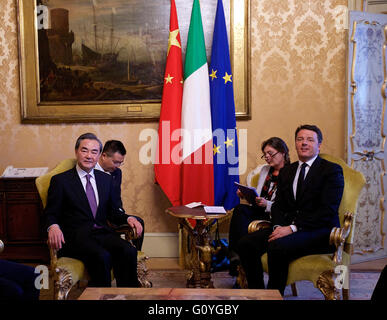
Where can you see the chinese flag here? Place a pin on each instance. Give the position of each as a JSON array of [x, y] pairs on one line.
[[168, 158]]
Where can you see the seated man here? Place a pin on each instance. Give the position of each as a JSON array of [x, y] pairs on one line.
[[308, 197], [17, 282], [80, 202], [112, 157]]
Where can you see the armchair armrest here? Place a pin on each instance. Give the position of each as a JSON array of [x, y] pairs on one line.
[[258, 225], [1, 246], [125, 229], [339, 235]]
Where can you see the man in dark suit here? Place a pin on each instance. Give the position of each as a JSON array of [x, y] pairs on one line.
[[308, 197], [110, 161], [79, 204], [17, 282]]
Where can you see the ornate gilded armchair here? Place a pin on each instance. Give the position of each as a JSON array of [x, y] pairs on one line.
[[65, 272], [328, 272]]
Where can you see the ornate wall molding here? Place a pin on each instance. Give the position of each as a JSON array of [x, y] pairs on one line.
[[367, 80]]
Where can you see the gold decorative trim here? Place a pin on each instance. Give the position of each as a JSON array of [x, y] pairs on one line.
[[372, 154], [326, 284], [258, 225], [63, 281], [354, 89], [353, 84], [339, 235], [143, 272]]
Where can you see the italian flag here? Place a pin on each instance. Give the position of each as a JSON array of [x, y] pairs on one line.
[[197, 169]]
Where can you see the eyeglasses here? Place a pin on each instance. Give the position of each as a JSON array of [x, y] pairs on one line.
[[118, 163], [269, 155]]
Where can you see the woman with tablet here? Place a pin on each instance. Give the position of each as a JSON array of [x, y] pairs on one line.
[[276, 153]]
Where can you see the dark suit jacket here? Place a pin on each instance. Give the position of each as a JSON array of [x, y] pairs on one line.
[[318, 204], [117, 179], [67, 204]]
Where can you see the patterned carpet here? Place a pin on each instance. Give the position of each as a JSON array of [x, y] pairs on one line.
[[362, 285]]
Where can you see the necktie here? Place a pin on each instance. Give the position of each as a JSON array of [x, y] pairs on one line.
[[300, 180], [91, 195]]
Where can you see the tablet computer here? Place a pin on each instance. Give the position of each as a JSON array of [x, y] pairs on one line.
[[248, 192]]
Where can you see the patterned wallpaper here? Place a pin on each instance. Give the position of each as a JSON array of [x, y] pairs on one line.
[[298, 76]]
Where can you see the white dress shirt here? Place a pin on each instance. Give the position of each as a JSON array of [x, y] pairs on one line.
[[309, 164], [98, 167]]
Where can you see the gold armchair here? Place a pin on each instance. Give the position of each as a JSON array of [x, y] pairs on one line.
[[327, 272], [1, 246], [65, 272]]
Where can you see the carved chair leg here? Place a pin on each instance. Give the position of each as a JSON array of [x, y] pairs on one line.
[[294, 289], [326, 284], [241, 278], [142, 273], [62, 283], [345, 294]]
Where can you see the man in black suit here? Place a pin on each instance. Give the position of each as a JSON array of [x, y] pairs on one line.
[[79, 204], [17, 282], [308, 197], [110, 161]]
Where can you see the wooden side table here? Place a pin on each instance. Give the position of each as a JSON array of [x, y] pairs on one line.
[[199, 275], [21, 221]]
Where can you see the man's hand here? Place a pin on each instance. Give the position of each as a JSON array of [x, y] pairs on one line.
[[55, 237], [280, 232], [133, 222]]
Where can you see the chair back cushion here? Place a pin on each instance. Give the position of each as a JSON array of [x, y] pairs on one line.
[[353, 184], [253, 176], [43, 182]]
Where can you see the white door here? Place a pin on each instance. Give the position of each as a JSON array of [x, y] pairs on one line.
[[366, 153]]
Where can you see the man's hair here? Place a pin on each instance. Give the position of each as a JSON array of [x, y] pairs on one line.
[[90, 136], [311, 128], [113, 146], [279, 145]]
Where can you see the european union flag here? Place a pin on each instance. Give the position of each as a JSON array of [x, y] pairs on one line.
[[226, 163]]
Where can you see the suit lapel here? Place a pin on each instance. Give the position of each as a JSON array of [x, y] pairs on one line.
[[77, 186], [101, 189], [292, 175]]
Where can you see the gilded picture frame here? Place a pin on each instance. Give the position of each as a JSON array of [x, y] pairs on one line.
[[34, 109]]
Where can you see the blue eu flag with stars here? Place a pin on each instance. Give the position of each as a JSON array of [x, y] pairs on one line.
[[225, 144]]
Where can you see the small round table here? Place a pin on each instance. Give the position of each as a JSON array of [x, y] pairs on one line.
[[200, 263]]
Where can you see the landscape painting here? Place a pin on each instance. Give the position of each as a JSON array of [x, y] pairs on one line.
[[99, 50], [104, 60]]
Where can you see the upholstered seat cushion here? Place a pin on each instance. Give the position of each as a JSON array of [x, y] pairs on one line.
[[74, 266], [309, 267]]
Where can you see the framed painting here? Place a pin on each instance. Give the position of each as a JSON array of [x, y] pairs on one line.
[[104, 60]]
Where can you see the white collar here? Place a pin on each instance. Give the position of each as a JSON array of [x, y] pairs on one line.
[[99, 167], [83, 173], [309, 162]]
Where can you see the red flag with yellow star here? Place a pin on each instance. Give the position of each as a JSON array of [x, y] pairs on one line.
[[168, 162]]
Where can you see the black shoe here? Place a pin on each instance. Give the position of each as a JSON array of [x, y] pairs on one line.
[[234, 263]]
